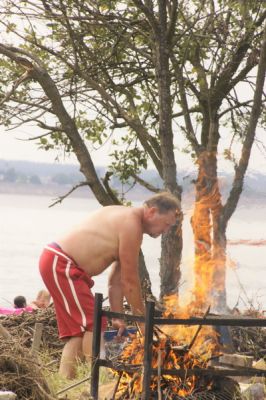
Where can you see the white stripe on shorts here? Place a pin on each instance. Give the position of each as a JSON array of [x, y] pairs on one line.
[[57, 284], [72, 287]]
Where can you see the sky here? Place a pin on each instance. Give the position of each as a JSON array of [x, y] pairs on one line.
[[13, 146]]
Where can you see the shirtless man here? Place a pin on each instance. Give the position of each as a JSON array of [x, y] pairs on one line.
[[110, 236]]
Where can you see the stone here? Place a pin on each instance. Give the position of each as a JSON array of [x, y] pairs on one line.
[[237, 359], [254, 391], [7, 395]]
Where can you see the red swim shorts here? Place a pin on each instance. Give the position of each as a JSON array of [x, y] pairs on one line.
[[69, 287]]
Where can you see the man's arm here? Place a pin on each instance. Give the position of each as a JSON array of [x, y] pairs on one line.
[[130, 239], [115, 294]]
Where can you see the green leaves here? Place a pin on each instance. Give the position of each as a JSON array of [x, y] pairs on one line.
[[93, 130], [128, 163], [102, 57]]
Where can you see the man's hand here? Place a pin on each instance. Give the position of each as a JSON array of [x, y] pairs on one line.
[[120, 325]]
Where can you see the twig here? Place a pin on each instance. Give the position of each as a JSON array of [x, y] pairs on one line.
[[4, 332], [156, 327], [117, 384], [61, 198], [139, 331], [42, 390], [25, 76], [73, 385], [198, 330]]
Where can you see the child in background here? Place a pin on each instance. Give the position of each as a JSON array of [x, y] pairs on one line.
[[20, 304], [42, 300]]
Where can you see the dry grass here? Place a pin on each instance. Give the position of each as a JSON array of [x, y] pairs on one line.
[[22, 373]]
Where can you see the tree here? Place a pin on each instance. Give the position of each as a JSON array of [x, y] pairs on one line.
[[217, 96], [128, 71], [116, 100], [35, 180], [10, 175]]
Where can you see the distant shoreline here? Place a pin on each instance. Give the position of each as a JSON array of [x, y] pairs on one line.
[[55, 180], [55, 191]]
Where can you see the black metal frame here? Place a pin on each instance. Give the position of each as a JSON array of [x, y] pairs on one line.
[[150, 320]]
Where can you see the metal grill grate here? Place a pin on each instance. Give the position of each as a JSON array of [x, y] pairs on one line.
[[228, 391], [205, 395], [210, 395]]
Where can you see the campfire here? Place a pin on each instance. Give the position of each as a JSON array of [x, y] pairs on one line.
[[179, 350], [179, 357]]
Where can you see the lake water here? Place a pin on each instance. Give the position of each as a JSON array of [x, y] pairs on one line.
[[27, 224]]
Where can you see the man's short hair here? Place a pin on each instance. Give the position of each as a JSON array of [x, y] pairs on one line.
[[164, 201], [20, 302]]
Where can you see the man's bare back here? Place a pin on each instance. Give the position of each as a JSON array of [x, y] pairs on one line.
[[94, 244]]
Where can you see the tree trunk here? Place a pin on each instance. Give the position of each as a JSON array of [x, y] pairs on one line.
[[219, 272], [145, 279], [170, 273], [172, 241], [209, 238]]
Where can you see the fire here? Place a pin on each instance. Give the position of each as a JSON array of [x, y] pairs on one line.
[[174, 347], [209, 236], [179, 347]]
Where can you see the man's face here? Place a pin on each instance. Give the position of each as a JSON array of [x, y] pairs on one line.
[[158, 223]]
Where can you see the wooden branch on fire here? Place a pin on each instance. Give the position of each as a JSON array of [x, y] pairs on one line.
[[183, 372], [198, 330], [152, 324], [211, 320]]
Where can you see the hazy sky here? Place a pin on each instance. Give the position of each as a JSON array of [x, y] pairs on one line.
[[13, 148]]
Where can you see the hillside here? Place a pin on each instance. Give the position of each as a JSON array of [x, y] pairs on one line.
[[57, 179]]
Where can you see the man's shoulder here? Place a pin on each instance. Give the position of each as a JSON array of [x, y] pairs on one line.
[[121, 210]]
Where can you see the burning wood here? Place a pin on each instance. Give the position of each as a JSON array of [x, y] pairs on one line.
[[175, 361], [179, 348]]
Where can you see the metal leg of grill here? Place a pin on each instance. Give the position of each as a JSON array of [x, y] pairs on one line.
[[96, 343], [148, 350]]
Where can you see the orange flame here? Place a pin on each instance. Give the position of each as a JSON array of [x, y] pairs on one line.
[[170, 351]]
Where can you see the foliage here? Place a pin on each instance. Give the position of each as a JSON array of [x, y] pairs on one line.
[[101, 55], [145, 76]]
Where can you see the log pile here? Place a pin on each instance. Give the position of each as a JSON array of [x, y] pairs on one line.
[[250, 341], [22, 327], [21, 372]]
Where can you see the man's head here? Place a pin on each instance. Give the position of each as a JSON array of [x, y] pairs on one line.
[[20, 302], [160, 213]]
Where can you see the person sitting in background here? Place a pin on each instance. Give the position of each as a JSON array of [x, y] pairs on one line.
[[20, 302], [42, 300], [20, 306]]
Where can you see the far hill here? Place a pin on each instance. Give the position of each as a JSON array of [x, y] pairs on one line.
[[56, 179]]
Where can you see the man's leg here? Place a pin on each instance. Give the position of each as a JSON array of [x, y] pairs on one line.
[[72, 351], [87, 346]]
